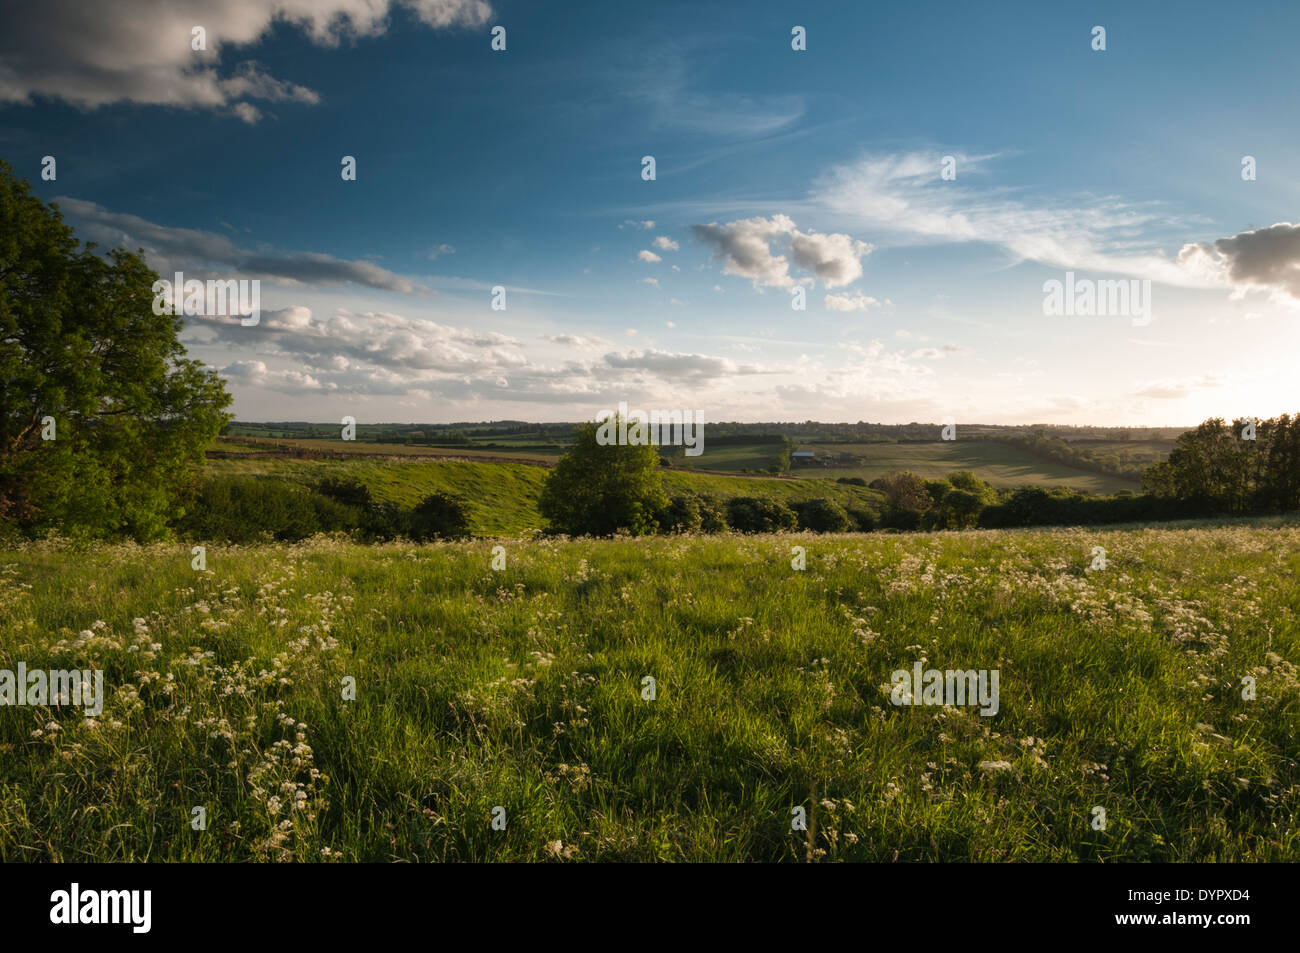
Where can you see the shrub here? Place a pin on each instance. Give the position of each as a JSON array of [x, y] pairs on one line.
[[821, 516], [244, 509], [753, 514], [681, 515], [439, 516], [713, 513], [347, 490], [385, 520], [863, 521]]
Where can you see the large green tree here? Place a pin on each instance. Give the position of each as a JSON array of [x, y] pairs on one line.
[[598, 488], [102, 417]]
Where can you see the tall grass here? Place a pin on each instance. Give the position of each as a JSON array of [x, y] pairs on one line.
[[523, 689]]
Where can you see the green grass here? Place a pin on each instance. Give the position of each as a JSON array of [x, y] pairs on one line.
[[522, 688], [998, 463], [502, 497]]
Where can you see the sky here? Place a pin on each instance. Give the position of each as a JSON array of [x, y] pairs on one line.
[[918, 174]]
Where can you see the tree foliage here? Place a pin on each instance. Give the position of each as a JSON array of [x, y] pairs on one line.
[[597, 489], [86, 362]]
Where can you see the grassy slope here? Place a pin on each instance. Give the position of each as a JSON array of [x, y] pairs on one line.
[[522, 688], [503, 496], [998, 463]]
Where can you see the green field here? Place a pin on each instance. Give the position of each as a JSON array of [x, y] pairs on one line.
[[502, 497], [997, 463], [757, 457], [522, 690]]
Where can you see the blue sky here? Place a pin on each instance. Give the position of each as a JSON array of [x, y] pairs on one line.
[[776, 169]]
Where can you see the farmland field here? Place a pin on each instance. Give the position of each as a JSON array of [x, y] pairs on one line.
[[369, 448], [524, 689], [997, 463]]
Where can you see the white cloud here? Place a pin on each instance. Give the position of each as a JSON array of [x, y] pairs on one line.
[[856, 301], [664, 243], [902, 196], [676, 366], [745, 247], [437, 250], [139, 51], [648, 256]]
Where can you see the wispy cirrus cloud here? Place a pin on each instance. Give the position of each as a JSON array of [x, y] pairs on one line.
[[901, 197]]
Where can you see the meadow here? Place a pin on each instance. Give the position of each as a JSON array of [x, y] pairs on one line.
[[523, 689]]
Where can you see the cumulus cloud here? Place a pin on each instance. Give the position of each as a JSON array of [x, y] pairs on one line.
[[835, 259], [745, 248], [257, 374], [647, 225], [856, 301], [679, 366], [185, 249], [1266, 259], [372, 339], [648, 256], [664, 243], [139, 51]]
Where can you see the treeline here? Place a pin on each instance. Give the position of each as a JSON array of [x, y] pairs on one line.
[[1249, 467], [248, 509], [808, 431]]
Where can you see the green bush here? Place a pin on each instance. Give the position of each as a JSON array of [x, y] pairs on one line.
[[756, 514], [681, 515], [439, 516], [713, 513], [863, 521], [347, 490], [822, 516], [246, 509]]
